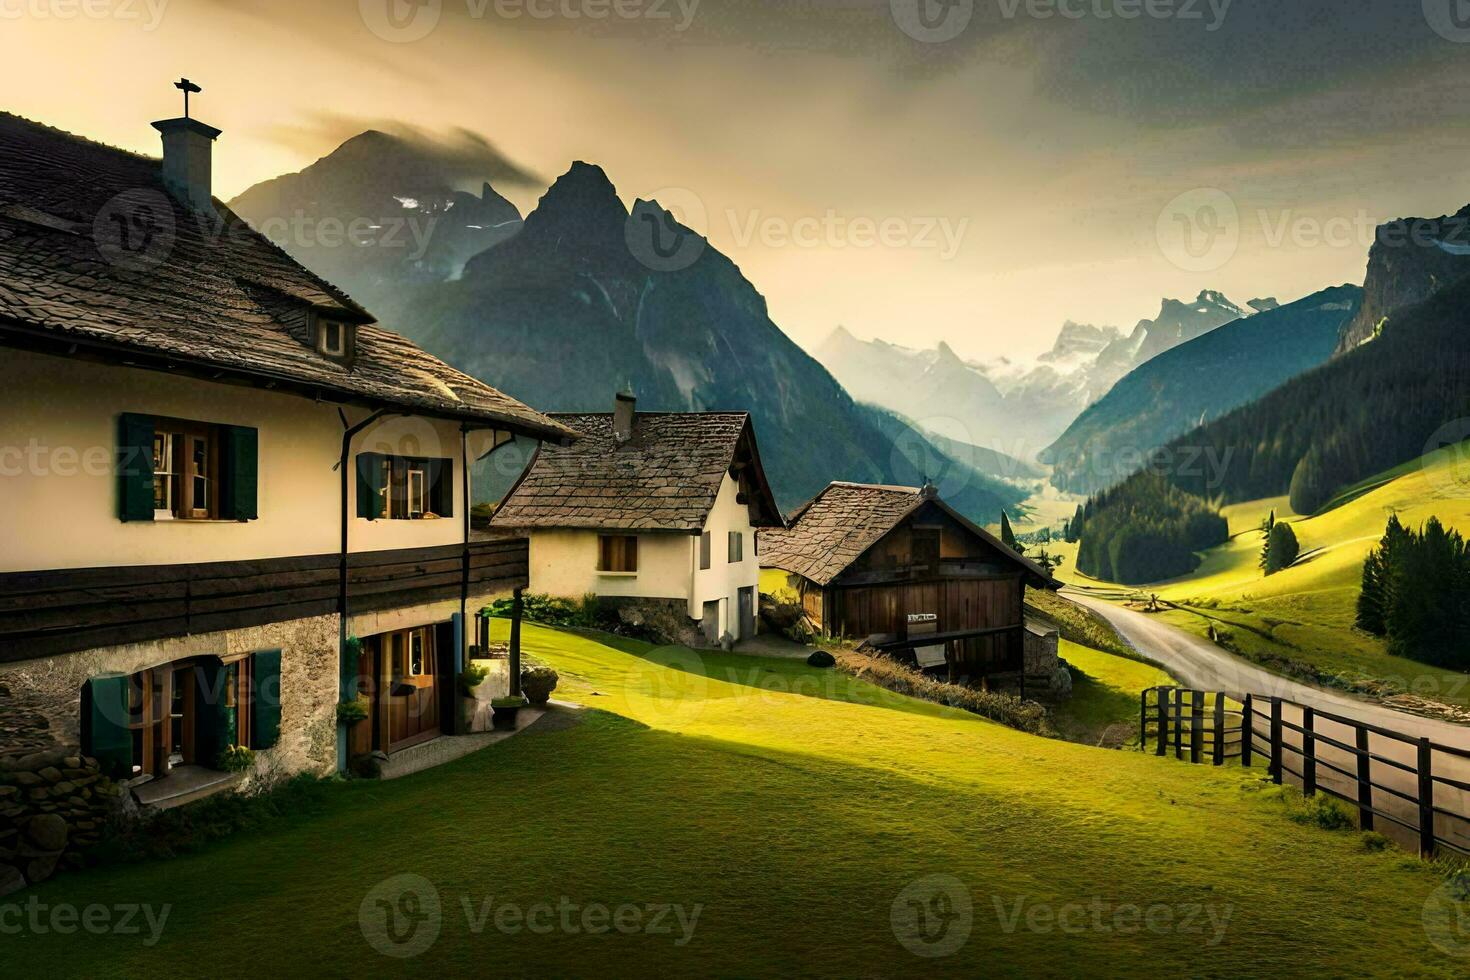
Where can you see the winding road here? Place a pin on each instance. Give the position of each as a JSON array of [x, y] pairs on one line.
[[1200, 664]]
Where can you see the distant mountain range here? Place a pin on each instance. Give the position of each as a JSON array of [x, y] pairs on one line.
[[1196, 381], [1013, 407], [587, 296]]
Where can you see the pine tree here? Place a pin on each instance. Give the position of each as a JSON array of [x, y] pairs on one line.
[[1266, 526], [1281, 547]]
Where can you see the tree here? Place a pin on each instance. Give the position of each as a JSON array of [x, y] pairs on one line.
[[1378, 579], [1281, 548], [1266, 526], [1007, 536]]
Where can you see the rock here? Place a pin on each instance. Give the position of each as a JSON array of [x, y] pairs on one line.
[[821, 658], [47, 832], [51, 774], [6, 792], [631, 615], [27, 779], [11, 880], [63, 788], [40, 869], [72, 762]]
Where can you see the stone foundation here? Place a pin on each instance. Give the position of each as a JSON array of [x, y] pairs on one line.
[[53, 807]]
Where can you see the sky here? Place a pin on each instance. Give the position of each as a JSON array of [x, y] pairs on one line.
[[968, 171]]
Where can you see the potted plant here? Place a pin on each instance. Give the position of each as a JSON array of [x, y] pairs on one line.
[[537, 682], [236, 758], [504, 712], [469, 705], [351, 712]]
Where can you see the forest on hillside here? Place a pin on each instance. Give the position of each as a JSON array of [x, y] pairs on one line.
[[1144, 530]]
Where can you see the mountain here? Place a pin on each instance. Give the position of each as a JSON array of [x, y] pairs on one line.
[[380, 212], [1363, 412], [1014, 407], [1411, 259], [589, 297], [1201, 379]]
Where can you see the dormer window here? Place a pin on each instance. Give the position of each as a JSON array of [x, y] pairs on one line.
[[334, 338]]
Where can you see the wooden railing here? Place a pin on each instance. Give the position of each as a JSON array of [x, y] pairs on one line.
[[1419, 788], [65, 610]]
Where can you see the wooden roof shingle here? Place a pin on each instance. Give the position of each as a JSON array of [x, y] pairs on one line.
[[97, 258], [665, 478]]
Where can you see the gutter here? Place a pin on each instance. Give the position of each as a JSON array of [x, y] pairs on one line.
[[342, 465]]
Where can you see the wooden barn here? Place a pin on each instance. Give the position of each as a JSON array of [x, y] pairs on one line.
[[901, 569]]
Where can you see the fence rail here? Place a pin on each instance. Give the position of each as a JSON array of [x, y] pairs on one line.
[[1418, 787]]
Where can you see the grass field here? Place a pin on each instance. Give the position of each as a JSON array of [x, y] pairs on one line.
[[792, 816], [1305, 613], [1103, 708]]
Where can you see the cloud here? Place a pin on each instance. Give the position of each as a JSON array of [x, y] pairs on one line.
[[460, 156]]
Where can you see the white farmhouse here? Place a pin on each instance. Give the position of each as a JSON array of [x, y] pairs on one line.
[[649, 508]]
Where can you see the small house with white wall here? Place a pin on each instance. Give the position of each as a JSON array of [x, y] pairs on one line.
[[649, 508]]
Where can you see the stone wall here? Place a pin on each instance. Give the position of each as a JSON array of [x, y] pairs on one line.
[[53, 807], [1046, 671]]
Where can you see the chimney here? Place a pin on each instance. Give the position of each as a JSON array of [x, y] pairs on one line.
[[623, 406], [929, 491], [187, 144]]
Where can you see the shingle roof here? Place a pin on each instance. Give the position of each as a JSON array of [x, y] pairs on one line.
[[95, 253], [665, 478], [835, 528]]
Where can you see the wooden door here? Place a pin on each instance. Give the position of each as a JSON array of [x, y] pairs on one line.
[[410, 699]]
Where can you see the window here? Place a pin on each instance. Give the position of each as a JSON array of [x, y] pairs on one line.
[[400, 488], [704, 550], [617, 553], [409, 653], [173, 469], [334, 339], [736, 548]]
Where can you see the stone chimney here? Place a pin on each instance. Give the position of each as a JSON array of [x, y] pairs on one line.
[[623, 414], [929, 491], [187, 147]]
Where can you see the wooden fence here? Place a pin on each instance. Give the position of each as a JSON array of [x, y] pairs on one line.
[[1411, 788]]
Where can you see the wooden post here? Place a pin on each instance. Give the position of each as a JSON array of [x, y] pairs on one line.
[[1196, 724], [515, 644], [1426, 798], [1365, 782], [1276, 740], [1178, 724], [1309, 752], [1247, 729], [1161, 705], [1219, 728], [1143, 720]]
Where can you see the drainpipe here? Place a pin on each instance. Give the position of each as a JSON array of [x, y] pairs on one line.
[[342, 665]]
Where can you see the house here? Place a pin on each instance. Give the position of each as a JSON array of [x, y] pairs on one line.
[[902, 570], [649, 511], [231, 498]]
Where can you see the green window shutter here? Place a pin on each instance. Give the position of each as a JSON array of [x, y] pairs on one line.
[[105, 733], [370, 486], [240, 462], [135, 467], [214, 722], [266, 699]]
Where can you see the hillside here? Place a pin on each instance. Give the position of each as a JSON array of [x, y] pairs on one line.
[[583, 300], [1197, 380], [821, 805]]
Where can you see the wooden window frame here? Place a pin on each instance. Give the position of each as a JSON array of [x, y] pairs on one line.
[[150, 713], [617, 554], [706, 546], [178, 436], [398, 476], [734, 548], [346, 339]]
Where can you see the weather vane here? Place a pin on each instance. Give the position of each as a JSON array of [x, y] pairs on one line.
[[186, 86]]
